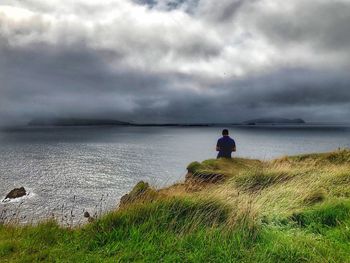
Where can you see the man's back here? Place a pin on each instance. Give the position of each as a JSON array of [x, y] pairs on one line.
[[225, 145]]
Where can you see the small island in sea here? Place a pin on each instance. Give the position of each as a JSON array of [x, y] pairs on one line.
[[274, 121], [291, 209]]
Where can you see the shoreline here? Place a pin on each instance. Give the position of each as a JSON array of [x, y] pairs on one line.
[[225, 210]]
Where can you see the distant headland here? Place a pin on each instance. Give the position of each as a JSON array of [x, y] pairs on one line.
[[104, 122], [112, 122], [76, 122]]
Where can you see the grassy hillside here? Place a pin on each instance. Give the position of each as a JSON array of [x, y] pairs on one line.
[[293, 209]]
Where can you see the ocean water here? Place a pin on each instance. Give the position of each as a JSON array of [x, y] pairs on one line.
[[71, 170]]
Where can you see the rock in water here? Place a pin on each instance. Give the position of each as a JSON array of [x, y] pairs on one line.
[[16, 193], [87, 215]]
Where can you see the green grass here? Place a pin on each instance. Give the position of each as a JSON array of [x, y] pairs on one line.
[[294, 209]]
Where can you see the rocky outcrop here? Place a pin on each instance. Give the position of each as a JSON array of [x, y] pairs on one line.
[[201, 173], [141, 191], [16, 193]]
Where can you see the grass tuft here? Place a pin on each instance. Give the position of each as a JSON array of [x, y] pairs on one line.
[[258, 179], [325, 215], [315, 196]]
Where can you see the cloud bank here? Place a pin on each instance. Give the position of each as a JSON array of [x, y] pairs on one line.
[[174, 60]]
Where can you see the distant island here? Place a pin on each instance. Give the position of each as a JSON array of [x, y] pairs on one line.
[[106, 122], [111, 122], [75, 122]]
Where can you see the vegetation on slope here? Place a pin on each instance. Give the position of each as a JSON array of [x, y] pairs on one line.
[[293, 209]]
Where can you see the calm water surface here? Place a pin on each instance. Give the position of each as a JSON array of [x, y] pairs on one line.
[[69, 170]]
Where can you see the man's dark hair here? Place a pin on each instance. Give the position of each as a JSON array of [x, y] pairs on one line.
[[225, 132]]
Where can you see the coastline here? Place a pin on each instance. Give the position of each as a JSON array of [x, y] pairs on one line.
[[259, 211]]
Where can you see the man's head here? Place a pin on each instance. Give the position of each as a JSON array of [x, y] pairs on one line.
[[225, 132]]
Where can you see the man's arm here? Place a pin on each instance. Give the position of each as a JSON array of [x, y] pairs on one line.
[[218, 146], [234, 146]]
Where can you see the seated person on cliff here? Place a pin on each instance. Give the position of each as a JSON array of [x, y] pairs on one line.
[[225, 145]]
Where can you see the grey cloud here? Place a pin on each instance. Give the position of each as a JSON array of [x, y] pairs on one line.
[[148, 41], [169, 5], [322, 24], [295, 87], [46, 81], [150, 3], [221, 11], [289, 92], [80, 83], [138, 69]]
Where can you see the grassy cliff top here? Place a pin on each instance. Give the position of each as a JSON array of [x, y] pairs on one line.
[[292, 209]]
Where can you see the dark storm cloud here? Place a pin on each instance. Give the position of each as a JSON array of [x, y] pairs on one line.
[[42, 82], [295, 87], [47, 72], [287, 92], [174, 61]]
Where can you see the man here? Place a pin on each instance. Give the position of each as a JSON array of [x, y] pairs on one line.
[[225, 145]]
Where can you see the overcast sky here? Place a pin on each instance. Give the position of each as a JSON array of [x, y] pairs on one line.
[[175, 60]]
